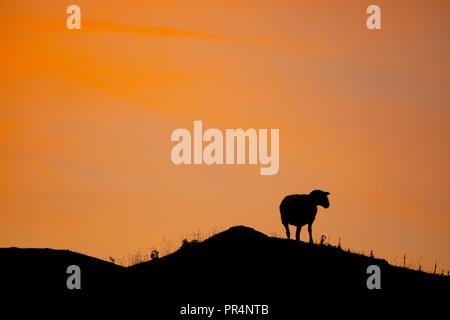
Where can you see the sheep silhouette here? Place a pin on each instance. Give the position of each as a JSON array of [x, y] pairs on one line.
[[301, 209]]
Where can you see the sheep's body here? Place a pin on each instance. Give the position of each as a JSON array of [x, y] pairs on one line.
[[301, 209]]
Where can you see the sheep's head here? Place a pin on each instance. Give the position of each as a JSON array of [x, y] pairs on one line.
[[321, 198]]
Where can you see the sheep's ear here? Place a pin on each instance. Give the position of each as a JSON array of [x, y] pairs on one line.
[[327, 193]]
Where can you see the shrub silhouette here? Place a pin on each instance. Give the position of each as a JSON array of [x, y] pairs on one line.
[[154, 254], [322, 240], [186, 244]]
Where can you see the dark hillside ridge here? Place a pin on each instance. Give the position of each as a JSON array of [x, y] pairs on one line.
[[239, 265], [43, 271], [250, 263]]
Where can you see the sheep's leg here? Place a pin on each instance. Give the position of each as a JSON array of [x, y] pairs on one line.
[[310, 233], [288, 233], [297, 233]]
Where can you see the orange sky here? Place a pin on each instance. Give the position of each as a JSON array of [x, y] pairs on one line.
[[86, 118]]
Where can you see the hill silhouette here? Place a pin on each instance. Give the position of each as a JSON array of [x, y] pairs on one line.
[[239, 265], [43, 271]]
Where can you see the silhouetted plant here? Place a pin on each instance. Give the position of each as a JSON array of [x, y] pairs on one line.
[[371, 254], [404, 261], [137, 257], [322, 240], [112, 260], [435, 267], [339, 243], [419, 264], [188, 244], [166, 246], [154, 255]]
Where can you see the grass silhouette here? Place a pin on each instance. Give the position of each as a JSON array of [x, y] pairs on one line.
[[168, 246]]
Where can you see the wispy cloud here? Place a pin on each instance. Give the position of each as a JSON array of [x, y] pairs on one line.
[[103, 26], [149, 31]]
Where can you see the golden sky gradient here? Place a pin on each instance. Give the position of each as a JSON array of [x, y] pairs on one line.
[[86, 117]]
